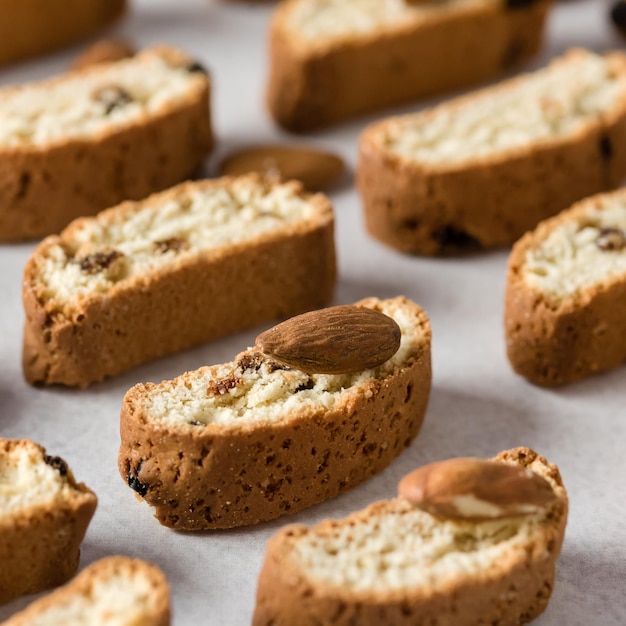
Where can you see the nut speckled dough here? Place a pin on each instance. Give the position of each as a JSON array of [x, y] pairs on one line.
[[251, 440], [115, 591], [566, 294], [44, 514], [481, 170], [32, 27], [394, 564], [180, 268], [79, 143], [332, 60]]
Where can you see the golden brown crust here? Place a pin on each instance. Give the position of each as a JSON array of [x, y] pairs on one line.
[[310, 88], [43, 188], [551, 341], [108, 567], [32, 27], [202, 297], [513, 592], [40, 545], [205, 477], [492, 201]]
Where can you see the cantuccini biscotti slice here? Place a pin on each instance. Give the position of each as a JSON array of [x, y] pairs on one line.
[[334, 59], [492, 562], [566, 294], [481, 170], [44, 514], [248, 441], [115, 591], [180, 268], [84, 141], [32, 27]]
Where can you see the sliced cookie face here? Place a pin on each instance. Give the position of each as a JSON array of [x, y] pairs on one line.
[[566, 293], [44, 514], [334, 59], [299, 437], [484, 168], [116, 590], [197, 262], [396, 563], [86, 140]]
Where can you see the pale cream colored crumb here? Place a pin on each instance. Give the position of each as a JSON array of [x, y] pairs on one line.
[[26, 480], [569, 260], [122, 599], [319, 21], [272, 395], [408, 548], [42, 113], [202, 220], [551, 103]]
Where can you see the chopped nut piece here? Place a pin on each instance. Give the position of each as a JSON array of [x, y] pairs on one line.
[[221, 386], [611, 240], [175, 244]]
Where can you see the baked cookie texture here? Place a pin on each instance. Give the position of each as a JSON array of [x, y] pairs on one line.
[[251, 440], [197, 262], [32, 27], [334, 59], [44, 514], [392, 563], [566, 294], [115, 591], [87, 140], [481, 170]]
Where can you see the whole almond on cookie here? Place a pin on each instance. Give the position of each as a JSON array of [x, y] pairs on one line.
[[336, 340], [476, 490]]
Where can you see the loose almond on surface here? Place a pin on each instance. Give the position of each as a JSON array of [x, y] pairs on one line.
[[476, 490], [335, 340], [315, 169]]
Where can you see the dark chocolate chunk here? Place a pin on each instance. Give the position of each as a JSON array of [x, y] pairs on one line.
[[57, 463], [112, 97], [611, 239], [98, 261]]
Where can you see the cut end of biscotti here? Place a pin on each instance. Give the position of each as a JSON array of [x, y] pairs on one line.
[[548, 106], [407, 566], [250, 440], [116, 591], [566, 289], [31, 480], [100, 100]]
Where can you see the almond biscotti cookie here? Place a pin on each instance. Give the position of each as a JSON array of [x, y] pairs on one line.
[[248, 441], [44, 514], [487, 560], [79, 143], [566, 294], [32, 27], [481, 170], [115, 591], [333, 59], [178, 269]]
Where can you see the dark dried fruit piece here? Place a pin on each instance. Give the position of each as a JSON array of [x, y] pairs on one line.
[[112, 97], [57, 463], [98, 261], [134, 483], [336, 340], [606, 147], [611, 239], [176, 244]]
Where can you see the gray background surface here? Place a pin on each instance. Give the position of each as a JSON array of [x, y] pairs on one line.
[[478, 406]]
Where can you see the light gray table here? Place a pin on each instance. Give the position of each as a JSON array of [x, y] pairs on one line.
[[478, 406]]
